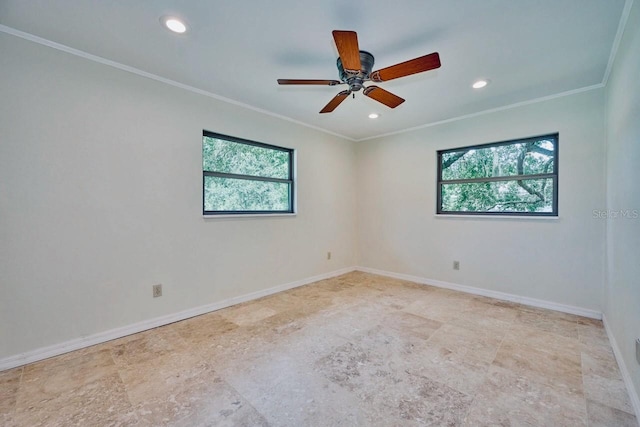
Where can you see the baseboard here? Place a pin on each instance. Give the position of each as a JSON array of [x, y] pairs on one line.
[[626, 376], [101, 337], [593, 314]]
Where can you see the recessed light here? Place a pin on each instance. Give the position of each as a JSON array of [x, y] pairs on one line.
[[374, 115], [174, 24], [480, 84]]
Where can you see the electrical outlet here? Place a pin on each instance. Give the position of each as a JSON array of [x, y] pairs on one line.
[[456, 265], [638, 350], [329, 255], [157, 291]]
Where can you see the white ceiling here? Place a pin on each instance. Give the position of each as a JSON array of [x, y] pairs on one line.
[[529, 49]]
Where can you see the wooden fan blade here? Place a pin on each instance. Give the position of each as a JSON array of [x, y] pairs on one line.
[[335, 101], [413, 66], [347, 44], [308, 82], [383, 96]]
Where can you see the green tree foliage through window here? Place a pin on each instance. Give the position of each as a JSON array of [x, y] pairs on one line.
[[512, 177], [241, 176]]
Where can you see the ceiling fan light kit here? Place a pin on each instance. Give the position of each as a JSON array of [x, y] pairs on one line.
[[354, 69]]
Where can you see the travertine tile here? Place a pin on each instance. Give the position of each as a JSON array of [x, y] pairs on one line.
[[335, 285], [9, 385], [478, 344], [328, 295], [606, 416], [205, 330], [198, 400], [508, 399], [146, 346], [543, 340], [379, 355], [279, 302], [427, 402], [607, 391], [551, 314], [557, 369], [439, 306], [482, 324], [78, 353], [7, 420], [100, 402], [288, 392], [248, 314], [389, 386], [410, 323], [396, 297], [53, 377], [599, 360], [352, 321], [160, 373], [596, 323], [592, 334], [550, 321], [460, 371], [485, 309]]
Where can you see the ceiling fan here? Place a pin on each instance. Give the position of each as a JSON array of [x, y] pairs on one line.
[[354, 69]]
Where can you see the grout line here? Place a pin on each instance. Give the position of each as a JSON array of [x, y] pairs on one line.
[[584, 396], [243, 397], [19, 391]]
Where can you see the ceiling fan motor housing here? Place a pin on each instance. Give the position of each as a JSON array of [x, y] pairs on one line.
[[355, 81]]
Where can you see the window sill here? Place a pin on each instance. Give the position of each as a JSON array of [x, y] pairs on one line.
[[248, 216], [499, 217]]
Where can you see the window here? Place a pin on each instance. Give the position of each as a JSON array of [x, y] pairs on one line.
[[245, 177], [517, 177]]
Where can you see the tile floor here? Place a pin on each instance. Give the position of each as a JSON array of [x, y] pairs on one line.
[[356, 350]]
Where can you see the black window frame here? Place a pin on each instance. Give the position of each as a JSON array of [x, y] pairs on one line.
[[553, 175], [290, 180]]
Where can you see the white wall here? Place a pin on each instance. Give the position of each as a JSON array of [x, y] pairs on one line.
[[100, 197], [622, 285], [555, 260]]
